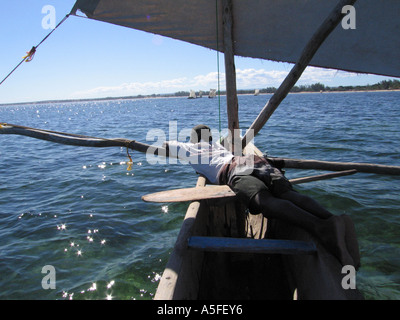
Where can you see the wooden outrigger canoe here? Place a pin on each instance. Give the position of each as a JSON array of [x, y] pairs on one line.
[[222, 251], [216, 256]]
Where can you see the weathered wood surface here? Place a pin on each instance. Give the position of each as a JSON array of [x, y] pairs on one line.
[[190, 194], [340, 166], [182, 265], [195, 274], [322, 176], [232, 103], [79, 140]]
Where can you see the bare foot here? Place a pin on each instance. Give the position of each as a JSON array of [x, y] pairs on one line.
[[351, 240], [333, 238]]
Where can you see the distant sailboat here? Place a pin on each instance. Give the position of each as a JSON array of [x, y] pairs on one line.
[[256, 92], [212, 93], [192, 95], [200, 94]]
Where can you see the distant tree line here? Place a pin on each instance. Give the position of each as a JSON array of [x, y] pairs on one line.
[[317, 87]]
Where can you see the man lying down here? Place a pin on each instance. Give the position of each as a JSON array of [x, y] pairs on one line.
[[265, 189]]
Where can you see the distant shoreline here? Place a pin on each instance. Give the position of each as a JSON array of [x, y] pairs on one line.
[[172, 95], [349, 91]]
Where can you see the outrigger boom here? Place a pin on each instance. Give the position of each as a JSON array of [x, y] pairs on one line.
[[87, 141]]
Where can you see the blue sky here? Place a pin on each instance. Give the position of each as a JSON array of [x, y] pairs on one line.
[[89, 59]]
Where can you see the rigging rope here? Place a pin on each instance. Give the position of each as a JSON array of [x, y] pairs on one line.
[[29, 56]]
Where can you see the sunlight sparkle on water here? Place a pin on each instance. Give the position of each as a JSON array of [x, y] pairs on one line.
[[65, 294], [62, 227], [93, 287], [110, 284], [102, 166], [164, 209]]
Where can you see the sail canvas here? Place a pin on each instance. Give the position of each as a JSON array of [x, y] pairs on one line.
[[268, 29]]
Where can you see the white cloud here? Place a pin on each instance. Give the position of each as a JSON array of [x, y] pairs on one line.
[[246, 79], [260, 78], [313, 74], [133, 88], [208, 80], [252, 78]]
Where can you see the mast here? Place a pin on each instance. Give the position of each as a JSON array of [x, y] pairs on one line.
[[230, 76]]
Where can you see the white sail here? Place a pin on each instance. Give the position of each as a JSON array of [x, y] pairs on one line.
[[192, 95], [256, 92], [212, 93]]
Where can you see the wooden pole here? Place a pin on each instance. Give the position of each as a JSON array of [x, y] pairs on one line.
[[340, 166], [308, 53], [230, 76], [322, 176], [80, 140]]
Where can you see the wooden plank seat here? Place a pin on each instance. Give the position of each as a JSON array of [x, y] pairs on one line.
[[270, 246]]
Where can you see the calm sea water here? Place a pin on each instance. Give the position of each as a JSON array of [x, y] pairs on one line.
[[80, 210]]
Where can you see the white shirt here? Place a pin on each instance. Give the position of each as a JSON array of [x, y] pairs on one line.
[[206, 158]]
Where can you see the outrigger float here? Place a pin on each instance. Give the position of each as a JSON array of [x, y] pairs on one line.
[[222, 251]]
